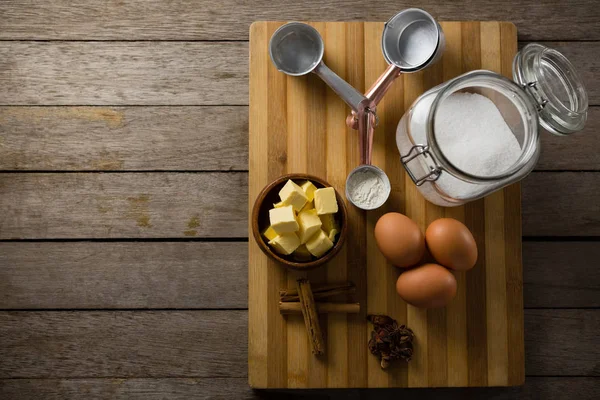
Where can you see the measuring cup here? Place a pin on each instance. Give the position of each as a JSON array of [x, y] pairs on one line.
[[297, 49], [411, 41]]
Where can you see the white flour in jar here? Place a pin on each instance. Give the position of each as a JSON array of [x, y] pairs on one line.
[[472, 134], [366, 189]]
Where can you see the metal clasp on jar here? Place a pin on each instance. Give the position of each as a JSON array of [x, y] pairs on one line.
[[433, 169], [534, 92]]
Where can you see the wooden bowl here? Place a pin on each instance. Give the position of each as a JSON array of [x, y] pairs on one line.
[[260, 221]]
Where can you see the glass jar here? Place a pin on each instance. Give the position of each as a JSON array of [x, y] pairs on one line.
[[478, 133]]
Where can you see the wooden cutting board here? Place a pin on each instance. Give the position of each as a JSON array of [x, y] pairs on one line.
[[298, 125]]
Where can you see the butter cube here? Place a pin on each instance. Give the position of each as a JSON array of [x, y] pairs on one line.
[[309, 190], [325, 201], [278, 205], [283, 220], [332, 234], [329, 223], [302, 253], [309, 224], [293, 195], [319, 244], [270, 233], [308, 206], [285, 243]]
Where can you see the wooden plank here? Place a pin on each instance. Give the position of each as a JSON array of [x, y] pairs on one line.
[[561, 204], [474, 212], [513, 281], [535, 388], [230, 19], [496, 270], [274, 276], [456, 311], [352, 56], [211, 205], [196, 138], [562, 342], [86, 344], [317, 133], [574, 152], [163, 73], [335, 150], [123, 205], [176, 275], [123, 275], [127, 389], [123, 73], [123, 138], [54, 344], [561, 274], [257, 292], [299, 347], [236, 388]]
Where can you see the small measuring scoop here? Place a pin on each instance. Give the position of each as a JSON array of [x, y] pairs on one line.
[[375, 184], [411, 41]]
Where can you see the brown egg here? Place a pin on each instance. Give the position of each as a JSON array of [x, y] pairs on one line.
[[452, 244], [427, 286], [399, 239]]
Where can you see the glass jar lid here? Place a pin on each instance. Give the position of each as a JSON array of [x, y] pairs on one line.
[[551, 80]]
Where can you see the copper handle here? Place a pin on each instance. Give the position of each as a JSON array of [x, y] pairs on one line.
[[376, 91], [366, 126]]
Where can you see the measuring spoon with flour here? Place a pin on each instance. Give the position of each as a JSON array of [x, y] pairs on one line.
[[367, 186]]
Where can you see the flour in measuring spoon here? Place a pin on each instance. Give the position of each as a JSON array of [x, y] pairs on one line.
[[366, 189]]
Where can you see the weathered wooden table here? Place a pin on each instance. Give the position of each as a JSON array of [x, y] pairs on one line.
[[123, 197]]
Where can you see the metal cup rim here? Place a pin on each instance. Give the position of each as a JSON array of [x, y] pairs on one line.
[[305, 26], [381, 173], [433, 55]]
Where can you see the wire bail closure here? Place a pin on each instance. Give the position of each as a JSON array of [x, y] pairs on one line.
[[419, 150]]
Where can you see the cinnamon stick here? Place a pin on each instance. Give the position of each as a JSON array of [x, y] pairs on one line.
[[321, 292], [322, 308], [311, 318]]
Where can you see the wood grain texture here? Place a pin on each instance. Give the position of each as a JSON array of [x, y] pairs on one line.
[[164, 73], [123, 205], [123, 138], [230, 19], [281, 135], [193, 138], [123, 344], [555, 341], [561, 204], [123, 73], [574, 152], [139, 205], [561, 274], [146, 344], [212, 275], [237, 388], [123, 275]]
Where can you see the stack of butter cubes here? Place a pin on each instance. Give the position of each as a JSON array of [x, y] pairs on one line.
[[303, 223]]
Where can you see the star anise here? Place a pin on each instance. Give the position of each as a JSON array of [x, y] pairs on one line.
[[390, 341]]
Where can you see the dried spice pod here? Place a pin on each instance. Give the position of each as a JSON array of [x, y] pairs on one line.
[[390, 341]]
